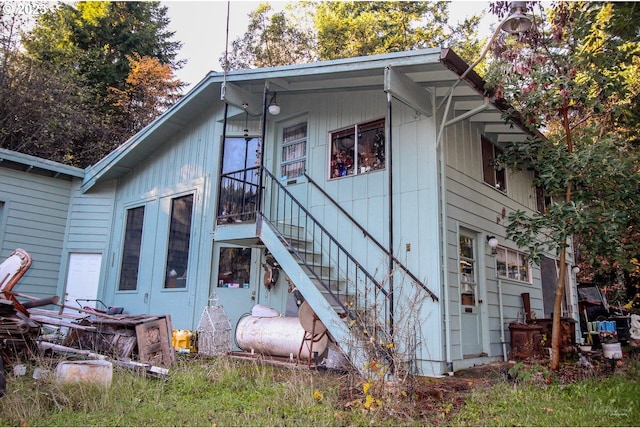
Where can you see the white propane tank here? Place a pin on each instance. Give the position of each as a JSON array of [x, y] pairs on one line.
[[277, 336]]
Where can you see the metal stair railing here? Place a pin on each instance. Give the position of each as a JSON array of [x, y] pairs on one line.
[[350, 286], [366, 234], [238, 194]]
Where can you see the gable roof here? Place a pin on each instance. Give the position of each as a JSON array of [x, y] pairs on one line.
[[433, 69]]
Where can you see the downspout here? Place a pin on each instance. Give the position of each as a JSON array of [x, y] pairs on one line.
[[443, 242], [501, 310], [390, 178]]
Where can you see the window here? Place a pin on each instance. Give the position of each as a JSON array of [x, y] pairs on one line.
[[491, 175], [294, 151], [366, 140], [542, 201], [234, 267], [512, 264], [468, 283], [179, 238], [131, 249], [239, 181]]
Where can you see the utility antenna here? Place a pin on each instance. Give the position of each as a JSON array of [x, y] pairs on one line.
[[226, 47]]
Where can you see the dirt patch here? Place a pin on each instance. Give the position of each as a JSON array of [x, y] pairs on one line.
[[435, 400]]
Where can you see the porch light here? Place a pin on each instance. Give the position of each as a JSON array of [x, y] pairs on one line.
[[493, 243], [517, 22], [575, 269], [274, 108]]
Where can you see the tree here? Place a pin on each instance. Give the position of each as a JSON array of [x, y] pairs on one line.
[[309, 31], [95, 39], [353, 28], [573, 76], [76, 57], [273, 39], [150, 89]]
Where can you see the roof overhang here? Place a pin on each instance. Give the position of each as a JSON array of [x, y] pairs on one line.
[[35, 165], [416, 78]]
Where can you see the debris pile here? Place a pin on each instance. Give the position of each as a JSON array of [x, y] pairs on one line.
[[27, 330]]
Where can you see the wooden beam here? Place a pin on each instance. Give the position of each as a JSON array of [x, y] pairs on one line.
[[407, 91], [236, 96]]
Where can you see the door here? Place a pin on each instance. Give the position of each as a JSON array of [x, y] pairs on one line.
[[292, 154], [234, 281], [83, 277], [173, 286], [470, 319], [240, 180]]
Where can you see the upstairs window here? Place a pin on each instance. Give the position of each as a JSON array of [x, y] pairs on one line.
[[491, 175], [358, 149], [294, 151]]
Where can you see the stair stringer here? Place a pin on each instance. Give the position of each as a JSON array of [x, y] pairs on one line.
[[335, 325]]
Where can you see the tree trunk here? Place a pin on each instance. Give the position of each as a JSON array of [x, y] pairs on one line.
[[557, 313]]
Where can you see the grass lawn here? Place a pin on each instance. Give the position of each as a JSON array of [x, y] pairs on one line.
[[230, 392]]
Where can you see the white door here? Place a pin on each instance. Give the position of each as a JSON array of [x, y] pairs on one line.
[[83, 277], [471, 321]]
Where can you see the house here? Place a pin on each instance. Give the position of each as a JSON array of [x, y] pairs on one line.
[[371, 196]]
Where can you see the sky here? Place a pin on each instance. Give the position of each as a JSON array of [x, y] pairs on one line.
[[201, 27]]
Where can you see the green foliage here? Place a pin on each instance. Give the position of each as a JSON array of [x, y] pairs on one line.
[[573, 77], [273, 39], [311, 30], [74, 58]]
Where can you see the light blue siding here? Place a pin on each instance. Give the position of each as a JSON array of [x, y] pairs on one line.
[[477, 206], [34, 219]]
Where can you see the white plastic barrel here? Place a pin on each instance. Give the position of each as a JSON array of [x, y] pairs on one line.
[[97, 371], [277, 336]]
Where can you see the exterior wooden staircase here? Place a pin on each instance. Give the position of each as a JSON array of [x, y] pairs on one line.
[[354, 306], [346, 298]]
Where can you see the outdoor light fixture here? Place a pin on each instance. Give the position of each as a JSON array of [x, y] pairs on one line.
[[575, 269], [493, 243], [517, 22], [274, 108]]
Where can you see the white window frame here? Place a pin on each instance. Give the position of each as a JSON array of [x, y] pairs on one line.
[[354, 165], [520, 259], [291, 143]]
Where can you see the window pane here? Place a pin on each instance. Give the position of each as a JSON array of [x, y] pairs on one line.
[[131, 249], [490, 174], [524, 267], [234, 267], [466, 247], [467, 272], [371, 147], [501, 262], [294, 151], [239, 154], [293, 170], [342, 152], [512, 263], [487, 168], [179, 238], [294, 132]]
